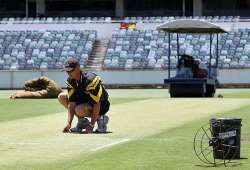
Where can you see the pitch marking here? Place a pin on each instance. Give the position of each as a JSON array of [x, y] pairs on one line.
[[109, 145]]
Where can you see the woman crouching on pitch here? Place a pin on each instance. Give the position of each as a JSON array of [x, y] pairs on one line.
[[86, 97]]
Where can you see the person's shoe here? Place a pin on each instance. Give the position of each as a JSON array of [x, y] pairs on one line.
[[75, 130], [81, 124], [102, 124]]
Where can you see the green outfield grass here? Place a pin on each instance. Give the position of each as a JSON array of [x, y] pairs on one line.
[[149, 131]]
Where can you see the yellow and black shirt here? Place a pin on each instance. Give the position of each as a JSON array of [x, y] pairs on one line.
[[88, 90]]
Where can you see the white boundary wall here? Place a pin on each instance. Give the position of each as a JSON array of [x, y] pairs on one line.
[[16, 79]]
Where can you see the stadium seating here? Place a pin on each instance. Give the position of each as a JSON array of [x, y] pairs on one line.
[[80, 20], [160, 19], [56, 20], [148, 49], [127, 49], [44, 49]]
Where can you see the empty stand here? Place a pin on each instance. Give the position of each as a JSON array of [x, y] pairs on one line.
[[148, 49], [79, 20], [44, 49], [127, 49]]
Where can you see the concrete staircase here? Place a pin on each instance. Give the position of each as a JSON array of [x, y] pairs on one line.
[[96, 58]]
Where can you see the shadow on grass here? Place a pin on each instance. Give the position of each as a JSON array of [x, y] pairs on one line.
[[230, 164], [83, 132]]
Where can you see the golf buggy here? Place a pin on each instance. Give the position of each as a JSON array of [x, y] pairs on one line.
[[190, 79]]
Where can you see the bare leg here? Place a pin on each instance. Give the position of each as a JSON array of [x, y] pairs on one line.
[[63, 99], [83, 110]]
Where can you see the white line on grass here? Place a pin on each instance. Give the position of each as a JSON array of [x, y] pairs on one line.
[[109, 145], [52, 143], [30, 143]]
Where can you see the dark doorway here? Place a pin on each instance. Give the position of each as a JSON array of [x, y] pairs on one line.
[[79, 8], [12, 8], [188, 8], [32, 9], [153, 7]]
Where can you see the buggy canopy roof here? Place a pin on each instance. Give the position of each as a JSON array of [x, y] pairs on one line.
[[190, 26]]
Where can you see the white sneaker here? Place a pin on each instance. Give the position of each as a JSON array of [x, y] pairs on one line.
[[81, 124], [102, 124]]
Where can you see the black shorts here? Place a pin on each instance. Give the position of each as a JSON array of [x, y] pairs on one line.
[[104, 106]]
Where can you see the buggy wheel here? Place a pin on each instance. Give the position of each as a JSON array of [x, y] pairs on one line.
[[209, 94], [172, 95], [210, 90]]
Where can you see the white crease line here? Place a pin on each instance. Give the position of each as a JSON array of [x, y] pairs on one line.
[[29, 143], [39, 143], [52, 143], [110, 144]]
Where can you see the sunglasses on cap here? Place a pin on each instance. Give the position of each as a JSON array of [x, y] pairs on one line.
[[70, 71], [70, 65]]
